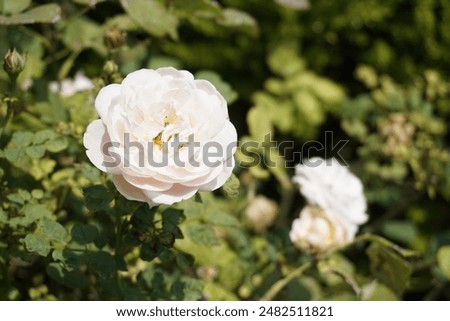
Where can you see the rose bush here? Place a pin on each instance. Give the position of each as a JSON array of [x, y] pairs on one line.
[[295, 72], [156, 134]]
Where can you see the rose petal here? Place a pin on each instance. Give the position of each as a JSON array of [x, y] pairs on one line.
[[129, 191], [105, 100], [212, 90], [219, 180], [95, 139], [175, 194], [148, 183], [141, 77], [170, 71]]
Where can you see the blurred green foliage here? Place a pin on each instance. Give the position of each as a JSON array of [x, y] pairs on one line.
[[373, 72]]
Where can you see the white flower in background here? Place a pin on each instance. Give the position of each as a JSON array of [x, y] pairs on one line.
[[337, 205], [261, 213], [295, 4], [332, 187], [151, 109], [69, 87], [317, 231]]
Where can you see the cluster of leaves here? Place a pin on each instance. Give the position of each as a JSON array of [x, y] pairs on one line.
[[65, 233], [402, 130]]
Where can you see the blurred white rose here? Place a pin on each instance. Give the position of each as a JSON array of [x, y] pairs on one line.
[[158, 126], [69, 87], [261, 213], [337, 205], [317, 231], [332, 187]]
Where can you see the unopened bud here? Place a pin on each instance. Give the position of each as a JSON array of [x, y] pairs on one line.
[[110, 68], [13, 62], [114, 38], [261, 213]]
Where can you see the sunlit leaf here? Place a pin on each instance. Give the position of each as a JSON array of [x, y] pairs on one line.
[[47, 13], [153, 17]]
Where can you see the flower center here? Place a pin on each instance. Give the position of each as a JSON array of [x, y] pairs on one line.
[[175, 124], [158, 141], [319, 214]]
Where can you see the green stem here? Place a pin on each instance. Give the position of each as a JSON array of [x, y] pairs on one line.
[[285, 205], [10, 105], [279, 285], [120, 249]]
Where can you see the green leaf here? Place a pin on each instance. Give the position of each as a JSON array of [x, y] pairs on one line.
[[188, 289], [152, 249], [389, 267], [258, 122], [70, 259], [192, 208], [53, 230], [73, 279], [222, 87], [84, 233], [47, 13], [202, 234], [37, 243], [79, 34], [14, 154], [102, 263], [57, 145], [231, 188], [215, 292], [35, 151], [42, 136], [222, 218], [20, 197], [184, 260], [3, 216], [13, 6], [234, 18], [22, 139], [171, 218], [336, 269], [443, 259], [33, 213], [403, 231], [204, 8], [375, 291], [285, 60], [97, 197], [153, 17]]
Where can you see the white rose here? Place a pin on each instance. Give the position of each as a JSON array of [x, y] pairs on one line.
[[332, 187], [69, 87], [158, 126], [317, 231], [261, 213]]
